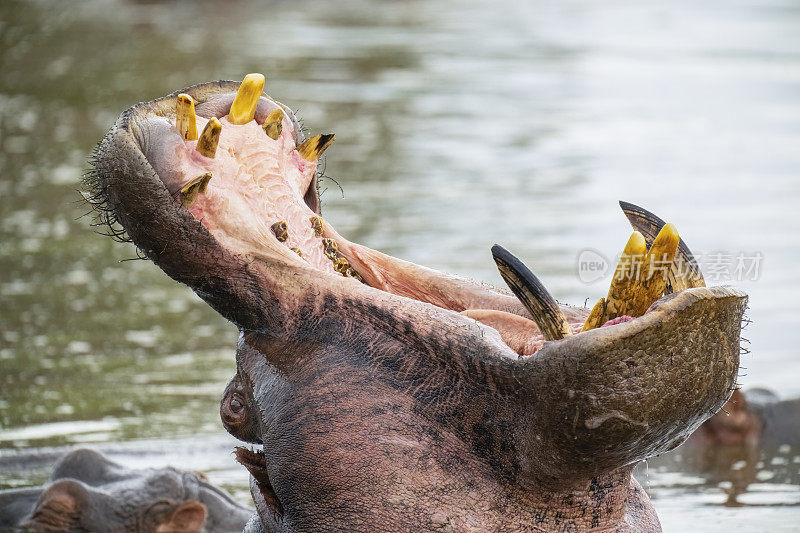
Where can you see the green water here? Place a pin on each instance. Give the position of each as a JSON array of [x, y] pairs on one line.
[[458, 124]]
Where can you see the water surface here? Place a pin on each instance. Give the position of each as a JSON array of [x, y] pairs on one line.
[[458, 124]]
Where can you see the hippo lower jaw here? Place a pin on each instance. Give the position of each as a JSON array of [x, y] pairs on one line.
[[423, 366]]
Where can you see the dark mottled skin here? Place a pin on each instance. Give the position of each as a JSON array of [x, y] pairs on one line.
[[366, 415], [384, 413], [88, 492]]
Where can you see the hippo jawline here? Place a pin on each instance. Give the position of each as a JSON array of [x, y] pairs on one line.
[[244, 230]]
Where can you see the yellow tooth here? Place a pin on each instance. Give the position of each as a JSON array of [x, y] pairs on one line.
[[595, 319], [625, 283], [243, 109], [281, 230], [209, 139], [656, 266], [331, 249], [685, 272], [195, 187], [639, 279], [312, 148], [316, 223], [273, 124], [341, 265], [185, 118]]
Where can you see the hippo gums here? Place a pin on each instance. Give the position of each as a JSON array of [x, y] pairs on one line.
[[386, 396]]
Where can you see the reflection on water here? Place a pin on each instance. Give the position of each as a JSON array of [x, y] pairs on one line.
[[758, 482], [458, 124]]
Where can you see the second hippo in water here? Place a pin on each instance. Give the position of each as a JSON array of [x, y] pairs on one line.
[[89, 492], [753, 417]]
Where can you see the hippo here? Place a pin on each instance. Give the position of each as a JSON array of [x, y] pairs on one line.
[[753, 439], [751, 418], [381, 395], [89, 492]]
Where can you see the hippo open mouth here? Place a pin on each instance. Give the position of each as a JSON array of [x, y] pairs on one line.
[[478, 407]]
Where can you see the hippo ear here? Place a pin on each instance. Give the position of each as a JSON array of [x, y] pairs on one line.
[[90, 466], [188, 517], [59, 508]]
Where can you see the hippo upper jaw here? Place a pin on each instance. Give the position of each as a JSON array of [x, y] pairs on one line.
[[400, 373], [223, 242]]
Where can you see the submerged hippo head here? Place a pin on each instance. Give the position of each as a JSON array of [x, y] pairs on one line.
[[388, 396], [88, 492]]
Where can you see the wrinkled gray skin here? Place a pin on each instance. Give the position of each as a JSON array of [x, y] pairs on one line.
[[89, 492], [385, 408]]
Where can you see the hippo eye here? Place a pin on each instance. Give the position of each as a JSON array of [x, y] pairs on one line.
[[236, 405], [237, 417]]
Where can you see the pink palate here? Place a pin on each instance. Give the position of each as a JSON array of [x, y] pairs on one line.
[[253, 172]]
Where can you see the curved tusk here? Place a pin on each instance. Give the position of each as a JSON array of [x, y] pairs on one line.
[[653, 277], [526, 286], [596, 316], [639, 279], [685, 272], [626, 282]]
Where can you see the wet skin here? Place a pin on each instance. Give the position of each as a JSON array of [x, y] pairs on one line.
[[88, 492], [390, 397]]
